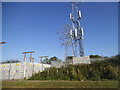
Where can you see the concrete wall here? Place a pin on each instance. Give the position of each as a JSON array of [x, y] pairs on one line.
[[81, 60], [75, 60], [56, 64], [16, 70]]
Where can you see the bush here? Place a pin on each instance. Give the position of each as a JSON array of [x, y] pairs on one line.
[[97, 70]]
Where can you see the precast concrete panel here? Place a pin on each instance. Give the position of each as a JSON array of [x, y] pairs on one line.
[[16, 70]]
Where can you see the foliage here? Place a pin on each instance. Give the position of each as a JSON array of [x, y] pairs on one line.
[[95, 56], [97, 70], [11, 61], [53, 58], [69, 57], [48, 61]]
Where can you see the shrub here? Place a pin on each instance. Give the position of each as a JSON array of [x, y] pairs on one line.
[[97, 70]]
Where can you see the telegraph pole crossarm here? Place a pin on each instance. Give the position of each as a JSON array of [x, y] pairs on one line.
[[2, 43]]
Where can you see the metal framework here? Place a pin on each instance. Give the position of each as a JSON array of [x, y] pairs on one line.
[[31, 60], [41, 60], [76, 31]]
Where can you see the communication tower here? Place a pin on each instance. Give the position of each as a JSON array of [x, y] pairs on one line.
[[76, 31]]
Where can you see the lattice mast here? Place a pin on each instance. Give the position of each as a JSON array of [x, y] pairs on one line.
[[76, 31]]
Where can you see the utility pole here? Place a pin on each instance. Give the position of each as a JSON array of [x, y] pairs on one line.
[[31, 60], [41, 60], [76, 32], [24, 63], [1, 56], [9, 71]]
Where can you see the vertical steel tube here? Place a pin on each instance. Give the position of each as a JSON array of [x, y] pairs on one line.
[[9, 71], [24, 65], [30, 57], [42, 63], [33, 65]]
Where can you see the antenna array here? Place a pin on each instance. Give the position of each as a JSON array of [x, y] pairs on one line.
[[76, 31]]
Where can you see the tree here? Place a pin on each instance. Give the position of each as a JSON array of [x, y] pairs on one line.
[[48, 61], [54, 58], [11, 61], [69, 57], [95, 56]]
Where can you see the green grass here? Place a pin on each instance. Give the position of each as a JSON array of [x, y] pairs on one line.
[[58, 84]]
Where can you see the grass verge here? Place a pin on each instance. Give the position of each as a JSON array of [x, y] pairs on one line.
[[58, 84]]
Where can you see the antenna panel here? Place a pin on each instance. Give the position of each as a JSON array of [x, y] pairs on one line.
[[79, 14], [75, 32], [71, 18], [82, 31], [71, 32]]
